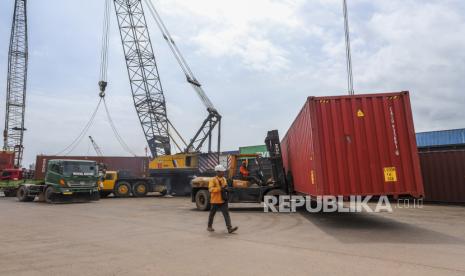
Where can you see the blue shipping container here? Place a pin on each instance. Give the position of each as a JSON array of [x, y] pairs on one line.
[[451, 137]]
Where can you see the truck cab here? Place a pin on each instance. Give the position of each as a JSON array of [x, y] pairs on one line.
[[71, 175]]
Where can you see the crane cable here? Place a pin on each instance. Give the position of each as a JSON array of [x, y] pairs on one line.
[[66, 151], [105, 42], [104, 74], [104, 51], [102, 84], [350, 78], [179, 57], [115, 131]]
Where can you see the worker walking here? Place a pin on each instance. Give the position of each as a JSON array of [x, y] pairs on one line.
[[218, 199]]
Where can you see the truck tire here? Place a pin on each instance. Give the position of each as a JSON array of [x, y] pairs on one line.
[[202, 200], [122, 189], [95, 196], [104, 194], [22, 195], [48, 194], [9, 193], [140, 189]]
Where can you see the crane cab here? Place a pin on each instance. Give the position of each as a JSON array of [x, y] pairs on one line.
[[176, 161]]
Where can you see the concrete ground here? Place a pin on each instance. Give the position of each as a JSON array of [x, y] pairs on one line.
[[161, 236]]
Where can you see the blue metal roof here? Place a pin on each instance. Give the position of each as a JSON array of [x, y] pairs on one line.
[[441, 138]]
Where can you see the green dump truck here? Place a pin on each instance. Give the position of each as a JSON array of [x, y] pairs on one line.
[[65, 181]]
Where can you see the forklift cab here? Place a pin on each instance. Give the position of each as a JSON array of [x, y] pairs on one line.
[[240, 189]]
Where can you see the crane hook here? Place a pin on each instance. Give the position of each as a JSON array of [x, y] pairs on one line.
[[103, 86]]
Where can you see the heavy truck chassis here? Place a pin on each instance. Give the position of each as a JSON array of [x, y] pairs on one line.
[[125, 186], [49, 194]]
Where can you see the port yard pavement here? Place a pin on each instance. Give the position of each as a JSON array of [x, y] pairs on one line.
[[161, 236]]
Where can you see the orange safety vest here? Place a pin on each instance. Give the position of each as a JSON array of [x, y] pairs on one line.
[[214, 186], [244, 172]]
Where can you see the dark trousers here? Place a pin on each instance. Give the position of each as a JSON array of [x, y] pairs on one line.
[[224, 209]]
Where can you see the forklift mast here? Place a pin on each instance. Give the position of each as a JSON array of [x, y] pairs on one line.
[[273, 146]]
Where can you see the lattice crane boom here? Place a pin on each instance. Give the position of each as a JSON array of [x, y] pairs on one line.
[[16, 83], [214, 118], [145, 82], [144, 78]]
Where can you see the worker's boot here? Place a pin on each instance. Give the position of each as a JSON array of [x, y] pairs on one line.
[[232, 229], [210, 229]]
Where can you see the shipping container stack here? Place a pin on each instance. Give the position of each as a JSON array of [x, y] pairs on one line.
[[442, 157]]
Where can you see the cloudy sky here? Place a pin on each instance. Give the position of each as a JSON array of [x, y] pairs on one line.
[[258, 61]]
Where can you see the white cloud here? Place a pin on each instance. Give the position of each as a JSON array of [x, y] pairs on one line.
[[241, 29], [419, 49]]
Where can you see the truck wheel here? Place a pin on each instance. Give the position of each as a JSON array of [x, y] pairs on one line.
[[123, 189], [22, 195], [202, 200], [49, 194], [140, 189], [104, 194], [9, 193], [95, 196]]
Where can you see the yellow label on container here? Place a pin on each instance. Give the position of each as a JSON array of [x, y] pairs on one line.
[[312, 176], [390, 174], [360, 113]]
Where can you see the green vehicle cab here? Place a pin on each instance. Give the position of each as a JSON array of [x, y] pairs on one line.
[[65, 180]]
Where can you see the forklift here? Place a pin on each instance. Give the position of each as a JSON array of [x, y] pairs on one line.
[[243, 190]]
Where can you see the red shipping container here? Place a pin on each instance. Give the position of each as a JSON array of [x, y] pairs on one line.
[[354, 145], [135, 166], [443, 171], [7, 160]]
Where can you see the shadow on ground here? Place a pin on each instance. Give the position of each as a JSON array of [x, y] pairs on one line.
[[246, 209], [375, 228]]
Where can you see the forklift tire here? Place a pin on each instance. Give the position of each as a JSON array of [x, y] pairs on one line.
[[276, 193], [202, 200], [140, 189], [22, 195], [49, 194], [123, 189]]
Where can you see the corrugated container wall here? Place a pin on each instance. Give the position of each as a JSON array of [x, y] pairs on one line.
[[443, 175], [7, 160], [441, 138], [135, 166], [354, 145]]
